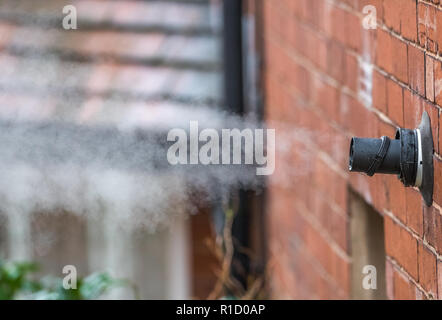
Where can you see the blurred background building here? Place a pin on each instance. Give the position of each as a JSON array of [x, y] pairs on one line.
[[148, 54], [311, 70]]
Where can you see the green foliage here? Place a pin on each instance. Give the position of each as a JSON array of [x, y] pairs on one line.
[[16, 282], [14, 279]]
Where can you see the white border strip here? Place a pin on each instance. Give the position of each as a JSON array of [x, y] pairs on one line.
[[419, 172]]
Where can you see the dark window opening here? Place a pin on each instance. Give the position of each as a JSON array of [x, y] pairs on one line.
[[367, 250]]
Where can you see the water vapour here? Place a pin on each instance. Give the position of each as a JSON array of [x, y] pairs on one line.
[[120, 168]]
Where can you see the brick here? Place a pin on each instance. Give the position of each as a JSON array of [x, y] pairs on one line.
[[427, 27], [351, 72], [338, 31], [326, 97], [397, 200], [348, 106], [427, 270], [307, 11], [429, 78], [400, 16], [379, 92], [336, 60], [353, 29], [391, 55], [408, 19], [432, 227], [439, 28], [392, 234], [335, 143], [334, 222], [335, 192], [416, 69], [300, 79], [384, 56], [399, 56], [318, 8], [395, 102], [325, 19], [437, 182], [380, 201], [403, 288], [392, 17], [414, 208], [401, 245], [413, 108], [318, 48], [438, 82], [439, 279], [389, 279], [386, 129], [297, 39]]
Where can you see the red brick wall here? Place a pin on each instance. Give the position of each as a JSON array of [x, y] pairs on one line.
[[328, 79]]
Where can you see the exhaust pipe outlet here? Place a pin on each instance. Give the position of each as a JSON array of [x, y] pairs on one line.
[[409, 156]]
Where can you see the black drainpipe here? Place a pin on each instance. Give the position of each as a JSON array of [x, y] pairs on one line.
[[233, 64], [234, 102]]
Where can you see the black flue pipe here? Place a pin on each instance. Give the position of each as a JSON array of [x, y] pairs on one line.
[[363, 152], [387, 156], [409, 155]]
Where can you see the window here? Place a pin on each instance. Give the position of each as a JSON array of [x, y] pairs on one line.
[[367, 249]]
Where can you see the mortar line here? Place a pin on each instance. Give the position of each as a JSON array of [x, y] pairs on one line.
[[404, 273], [413, 233]]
